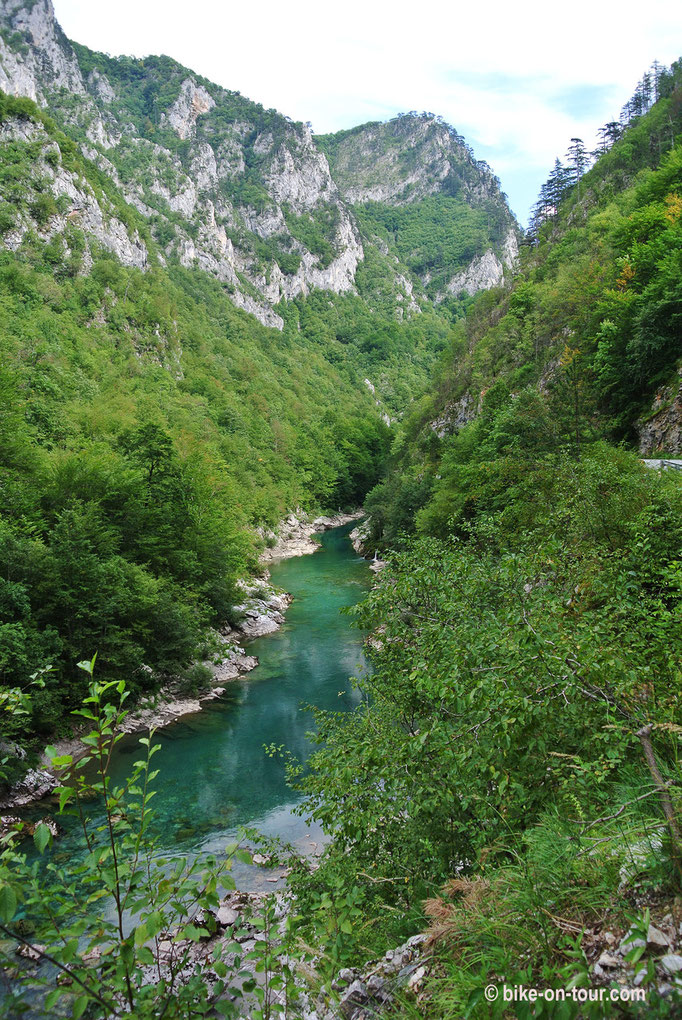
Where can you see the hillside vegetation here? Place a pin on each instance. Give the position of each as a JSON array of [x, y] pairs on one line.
[[591, 322], [152, 429], [148, 428], [209, 319], [419, 196], [512, 776]]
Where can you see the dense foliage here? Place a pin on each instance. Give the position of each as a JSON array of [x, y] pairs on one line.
[[518, 736], [435, 236], [361, 330], [514, 666], [440, 207], [592, 320], [513, 771], [160, 953], [147, 428]]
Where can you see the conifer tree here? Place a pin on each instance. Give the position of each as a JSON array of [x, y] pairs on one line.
[[579, 159]]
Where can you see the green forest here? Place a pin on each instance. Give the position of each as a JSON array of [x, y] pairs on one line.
[[148, 428], [513, 776], [508, 783]]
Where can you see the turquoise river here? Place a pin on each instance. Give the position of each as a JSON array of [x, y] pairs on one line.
[[214, 774]]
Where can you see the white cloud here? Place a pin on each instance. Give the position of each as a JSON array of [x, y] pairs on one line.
[[503, 74]]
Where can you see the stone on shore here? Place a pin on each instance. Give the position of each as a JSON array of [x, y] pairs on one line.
[[295, 534], [36, 784]]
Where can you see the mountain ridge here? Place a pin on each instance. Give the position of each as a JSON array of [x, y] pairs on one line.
[[244, 193]]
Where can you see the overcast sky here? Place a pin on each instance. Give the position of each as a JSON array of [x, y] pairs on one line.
[[518, 80]]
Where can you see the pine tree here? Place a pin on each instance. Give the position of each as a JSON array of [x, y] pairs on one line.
[[558, 183], [647, 91], [613, 131], [578, 160]]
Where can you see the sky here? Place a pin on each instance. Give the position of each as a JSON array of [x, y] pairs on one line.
[[518, 80]]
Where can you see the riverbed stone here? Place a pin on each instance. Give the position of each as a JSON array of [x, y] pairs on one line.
[[344, 977], [609, 960], [36, 784], [671, 963], [655, 937], [354, 996], [295, 534], [10, 825], [31, 952], [631, 942], [226, 916]]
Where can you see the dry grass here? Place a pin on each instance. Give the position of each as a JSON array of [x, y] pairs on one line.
[[459, 897]]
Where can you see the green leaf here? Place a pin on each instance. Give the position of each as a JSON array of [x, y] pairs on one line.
[[79, 1006], [154, 923], [127, 954], [474, 1000], [41, 837], [65, 795], [52, 997], [8, 903]]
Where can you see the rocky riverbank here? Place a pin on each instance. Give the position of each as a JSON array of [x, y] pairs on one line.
[[262, 612], [294, 536], [360, 540], [232, 933]]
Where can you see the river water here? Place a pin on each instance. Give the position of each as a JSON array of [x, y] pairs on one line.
[[214, 774]]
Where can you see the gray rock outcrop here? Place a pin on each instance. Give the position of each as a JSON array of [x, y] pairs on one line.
[[36, 784], [191, 103], [371, 992], [456, 415], [486, 271], [268, 234], [661, 432]]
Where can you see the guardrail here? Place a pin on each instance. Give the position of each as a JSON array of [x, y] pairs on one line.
[[663, 464]]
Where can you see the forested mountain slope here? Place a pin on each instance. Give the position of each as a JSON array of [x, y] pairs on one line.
[[511, 782], [511, 772], [151, 427], [589, 332], [419, 195], [242, 192]]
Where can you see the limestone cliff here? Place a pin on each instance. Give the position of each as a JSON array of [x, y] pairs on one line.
[[417, 189], [242, 192], [660, 433], [76, 205], [406, 159]]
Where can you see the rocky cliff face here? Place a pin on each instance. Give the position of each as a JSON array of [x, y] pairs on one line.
[[661, 432], [243, 193], [35, 57], [406, 159], [76, 205], [421, 166], [482, 273]]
